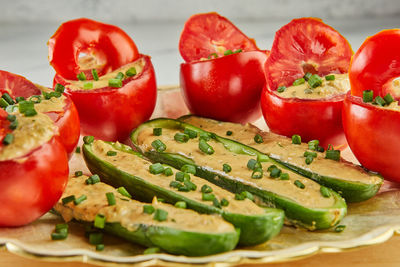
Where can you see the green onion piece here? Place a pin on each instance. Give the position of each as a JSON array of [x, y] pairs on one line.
[[25, 105], [68, 199], [78, 173], [313, 144], [88, 85], [299, 184], [156, 168], [330, 77], [296, 139], [81, 76], [320, 149], [325, 191], [181, 204], [332, 154], [95, 75], [284, 176], [248, 195], [238, 51], [30, 112], [226, 168], [299, 81], [96, 238], [111, 153], [8, 98], [148, 209], [160, 215], [216, 203], [205, 136], [8, 139], [207, 196], [168, 171], [309, 160], [188, 169], [116, 83], [36, 99], [274, 172], [175, 184], [315, 81], [205, 147], [157, 131], [388, 99], [191, 133], [224, 202], [181, 176], [88, 139], [119, 76], [152, 250], [181, 137], [206, 189], [307, 76], [253, 164], [59, 236], [94, 179], [3, 103], [60, 226], [281, 89], [99, 221], [311, 154], [190, 185], [229, 133], [110, 198], [123, 192], [368, 96], [228, 52], [258, 139], [183, 188], [78, 149], [239, 197], [159, 199], [340, 228], [257, 173], [59, 88], [99, 247], [19, 99], [158, 145], [379, 100], [80, 199], [131, 72]]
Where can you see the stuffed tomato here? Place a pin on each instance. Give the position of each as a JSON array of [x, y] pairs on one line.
[[58, 106], [306, 81], [33, 164], [112, 85], [371, 114], [223, 75]]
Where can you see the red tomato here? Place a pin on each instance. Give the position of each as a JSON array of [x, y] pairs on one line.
[[305, 45], [204, 34], [66, 121], [111, 113], [108, 46], [373, 136], [376, 65], [32, 184]]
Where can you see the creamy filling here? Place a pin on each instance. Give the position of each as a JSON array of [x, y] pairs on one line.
[[129, 213], [328, 88], [76, 85], [393, 106], [137, 166], [54, 104], [310, 196]]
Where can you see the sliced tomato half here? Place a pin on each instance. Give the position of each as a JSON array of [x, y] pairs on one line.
[[306, 45], [208, 33]]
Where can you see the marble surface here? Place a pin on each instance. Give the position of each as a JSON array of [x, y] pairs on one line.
[[23, 48]]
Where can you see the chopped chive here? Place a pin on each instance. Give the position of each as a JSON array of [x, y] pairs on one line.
[[30, 112], [314, 81], [379, 100], [307, 76], [224, 202], [183, 188], [388, 99], [59, 236], [99, 247], [95, 75], [80, 199], [330, 77], [158, 145], [8, 98], [78, 173], [123, 192], [296, 139], [257, 173], [68, 199], [299, 81], [226, 168], [119, 76], [229, 133], [8, 139], [309, 160], [188, 169], [216, 203], [181, 176], [156, 168], [157, 131], [284, 176], [239, 197], [25, 105], [152, 250], [253, 164], [168, 171], [325, 191], [110, 198], [181, 137], [238, 51], [274, 172], [205, 147], [207, 197], [94, 179], [191, 133], [228, 52], [248, 195], [78, 149], [181, 204], [19, 99], [3, 103], [310, 154], [368, 96], [190, 185], [99, 221], [81, 76], [59, 88], [160, 215], [340, 228], [131, 72], [281, 89], [258, 139], [60, 226], [88, 85], [332, 154], [88, 139], [299, 184], [313, 144], [96, 238], [205, 136], [206, 189], [116, 83], [175, 184], [36, 99], [148, 209], [320, 149], [111, 153]]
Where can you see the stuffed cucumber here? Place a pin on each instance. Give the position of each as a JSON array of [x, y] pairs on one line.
[[118, 165], [173, 230], [305, 202], [351, 181]]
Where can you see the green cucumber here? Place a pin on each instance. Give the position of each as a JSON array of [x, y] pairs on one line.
[[129, 221], [338, 175], [256, 224], [312, 218]]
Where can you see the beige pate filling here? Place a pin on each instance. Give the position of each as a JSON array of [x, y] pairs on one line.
[[54, 104]]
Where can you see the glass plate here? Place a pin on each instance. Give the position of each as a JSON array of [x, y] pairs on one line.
[[370, 222]]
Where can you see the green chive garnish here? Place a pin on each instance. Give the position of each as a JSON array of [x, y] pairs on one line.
[[95, 75], [188, 169], [116, 83], [175, 184], [119, 76], [330, 77], [181, 137], [94, 179], [190, 185], [191, 133], [314, 81], [8, 139], [59, 88], [156, 168], [205, 147], [160, 215], [207, 196], [78, 149], [158, 145], [181, 176], [148, 209], [123, 192], [110, 198], [206, 189], [80, 199], [257, 173], [168, 171], [181, 204], [239, 197], [60, 226], [131, 72], [313, 144], [30, 112], [388, 99], [88, 85], [229, 133], [309, 160], [258, 139], [299, 184], [226, 168], [157, 131], [340, 228], [379, 100], [3, 103], [59, 236], [238, 51], [8, 98], [299, 81], [99, 221], [224, 202], [368, 96], [274, 172], [68, 199], [25, 106], [99, 247], [248, 195], [253, 164], [81, 76], [216, 203], [307, 76], [152, 250], [311, 154], [78, 173], [111, 153], [296, 139], [281, 89], [284, 176], [19, 99], [96, 238], [325, 192], [88, 139], [228, 52], [332, 153]]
